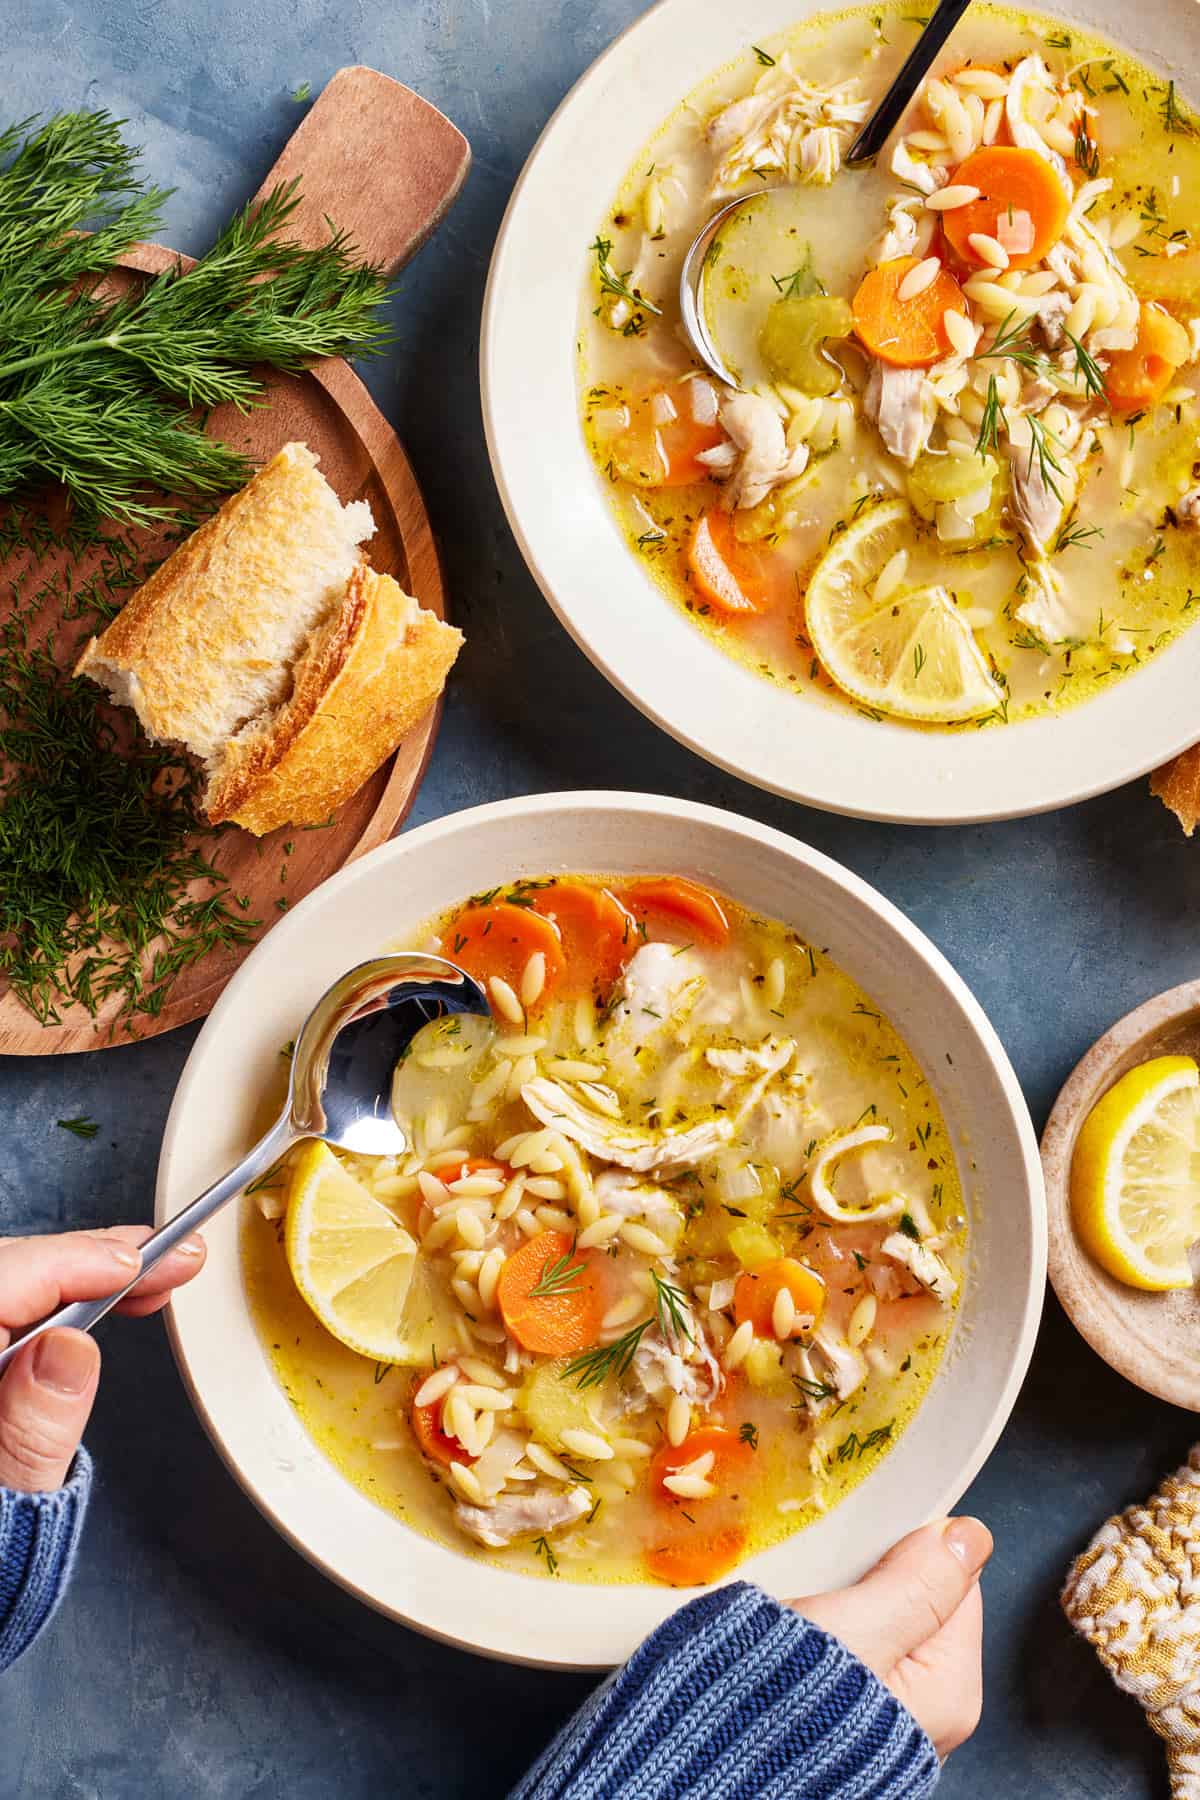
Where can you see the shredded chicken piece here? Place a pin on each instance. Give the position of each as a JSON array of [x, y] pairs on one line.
[[909, 231], [613, 1141], [1187, 508], [841, 1365], [914, 173], [634, 1198], [521, 1515], [1038, 509], [762, 457], [924, 1264], [1033, 95], [1054, 612], [903, 405], [767, 1058], [662, 1367], [787, 126], [1051, 316]]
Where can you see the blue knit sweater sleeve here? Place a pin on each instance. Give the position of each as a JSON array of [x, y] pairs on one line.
[[736, 1697], [38, 1535]]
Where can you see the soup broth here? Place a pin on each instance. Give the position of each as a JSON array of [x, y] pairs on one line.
[[1039, 453], [689, 1242]]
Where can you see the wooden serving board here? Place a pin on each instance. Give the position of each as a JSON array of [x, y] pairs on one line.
[[385, 166]]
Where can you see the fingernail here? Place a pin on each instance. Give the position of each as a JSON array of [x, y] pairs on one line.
[[64, 1361], [969, 1540], [125, 1255], [192, 1246]]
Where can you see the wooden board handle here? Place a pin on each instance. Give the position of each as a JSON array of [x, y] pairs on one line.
[[378, 160]]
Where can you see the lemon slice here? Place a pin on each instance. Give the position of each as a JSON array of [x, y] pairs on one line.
[[910, 654], [1135, 1177], [350, 1259]]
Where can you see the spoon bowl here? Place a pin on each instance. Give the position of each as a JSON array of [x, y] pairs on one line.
[[866, 146], [339, 1090]]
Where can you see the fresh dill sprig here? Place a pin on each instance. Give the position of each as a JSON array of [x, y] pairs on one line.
[[562, 1276], [1012, 341], [541, 1547], [803, 282], [594, 1367], [1073, 535], [672, 1318], [1042, 444], [107, 891], [1173, 120], [992, 422], [671, 1304], [1087, 368], [82, 1127], [612, 283], [104, 393], [1087, 150]]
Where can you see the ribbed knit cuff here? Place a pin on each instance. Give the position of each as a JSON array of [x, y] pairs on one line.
[[38, 1535], [736, 1697]]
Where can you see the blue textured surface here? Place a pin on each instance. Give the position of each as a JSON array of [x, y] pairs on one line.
[[198, 1655]]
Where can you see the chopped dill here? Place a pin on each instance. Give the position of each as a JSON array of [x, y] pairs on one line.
[[82, 1127], [764, 57], [561, 1276]]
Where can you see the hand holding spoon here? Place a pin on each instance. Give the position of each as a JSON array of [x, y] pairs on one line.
[[339, 1090]]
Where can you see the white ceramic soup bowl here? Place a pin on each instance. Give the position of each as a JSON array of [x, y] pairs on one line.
[[367, 907], [812, 750]]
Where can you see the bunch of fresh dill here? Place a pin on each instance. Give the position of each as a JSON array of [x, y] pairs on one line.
[[106, 394], [105, 892]]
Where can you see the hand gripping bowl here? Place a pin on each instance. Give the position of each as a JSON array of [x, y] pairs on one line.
[[369, 906], [643, 643]]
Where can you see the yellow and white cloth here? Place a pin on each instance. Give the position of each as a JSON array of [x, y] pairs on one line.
[[1134, 1594]]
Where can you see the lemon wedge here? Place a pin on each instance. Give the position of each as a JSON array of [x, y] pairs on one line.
[[1135, 1176], [909, 653], [351, 1260]]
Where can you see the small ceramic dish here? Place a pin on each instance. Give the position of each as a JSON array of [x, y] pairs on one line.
[[372, 904], [811, 750], [1151, 1339]]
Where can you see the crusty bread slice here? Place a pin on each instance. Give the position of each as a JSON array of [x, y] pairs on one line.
[[267, 647], [1177, 785], [364, 681], [209, 641]]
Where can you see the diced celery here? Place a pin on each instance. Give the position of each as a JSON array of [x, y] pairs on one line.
[[792, 336]]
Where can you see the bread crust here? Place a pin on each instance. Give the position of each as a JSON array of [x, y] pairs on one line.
[[203, 622], [1177, 785], [363, 682]]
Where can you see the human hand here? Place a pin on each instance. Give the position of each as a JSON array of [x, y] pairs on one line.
[[46, 1393], [916, 1619]]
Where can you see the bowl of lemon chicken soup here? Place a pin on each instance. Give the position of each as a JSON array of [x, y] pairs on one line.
[[717, 1248], [932, 551]]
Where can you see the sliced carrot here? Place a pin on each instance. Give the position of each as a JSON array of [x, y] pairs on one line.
[[473, 1165], [909, 334], [1139, 376], [757, 1290], [499, 939], [562, 1318], [696, 1560], [725, 573], [653, 452], [682, 903], [597, 933], [433, 1441], [732, 1457], [1011, 181]]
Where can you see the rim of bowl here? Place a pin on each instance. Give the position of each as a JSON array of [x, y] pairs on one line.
[[952, 989], [1095, 1072], [816, 752]]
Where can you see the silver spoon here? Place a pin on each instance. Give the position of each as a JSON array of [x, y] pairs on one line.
[[339, 1090], [866, 146]]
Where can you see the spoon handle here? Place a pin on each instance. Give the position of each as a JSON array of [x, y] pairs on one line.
[[883, 121], [82, 1315]]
